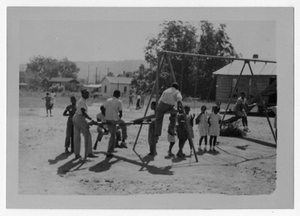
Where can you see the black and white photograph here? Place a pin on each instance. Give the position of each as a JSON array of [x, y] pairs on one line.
[[150, 108]]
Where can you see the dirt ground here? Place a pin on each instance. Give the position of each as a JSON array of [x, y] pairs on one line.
[[241, 166]]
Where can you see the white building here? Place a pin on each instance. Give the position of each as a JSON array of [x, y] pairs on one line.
[[110, 84]]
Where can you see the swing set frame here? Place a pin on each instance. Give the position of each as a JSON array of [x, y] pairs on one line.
[[165, 56]]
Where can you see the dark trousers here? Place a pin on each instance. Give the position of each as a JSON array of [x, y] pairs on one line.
[[160, 112], [152, 139], [69, 134]]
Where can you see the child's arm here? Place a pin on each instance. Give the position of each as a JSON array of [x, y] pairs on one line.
[[66, 112]]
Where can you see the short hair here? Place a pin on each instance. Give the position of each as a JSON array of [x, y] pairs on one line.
[[83, 91], [117, 93], [47, 93], [242, 92], [73, 98], [175, 85], [186, 107]]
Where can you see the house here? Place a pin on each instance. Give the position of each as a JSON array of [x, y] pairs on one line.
[[264, 75], [110, 84], [48, 82]]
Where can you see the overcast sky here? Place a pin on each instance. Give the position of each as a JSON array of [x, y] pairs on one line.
[[94, 34]]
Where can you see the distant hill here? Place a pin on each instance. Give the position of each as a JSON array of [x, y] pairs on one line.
[[117, 67]]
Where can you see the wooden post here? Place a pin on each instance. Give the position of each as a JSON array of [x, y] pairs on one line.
[[153, 90], [264, 106], [237, 82]]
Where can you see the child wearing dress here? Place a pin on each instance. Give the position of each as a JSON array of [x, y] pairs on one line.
[[214, 122], [184, 129], [70, 112], [202, 121]]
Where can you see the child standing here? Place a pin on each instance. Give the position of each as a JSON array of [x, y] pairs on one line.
[[48, 104], [171, 140], [183, 129], [214, 122], [202, 121], [70, 111]]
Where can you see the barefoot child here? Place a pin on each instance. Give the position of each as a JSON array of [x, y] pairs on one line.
[[48, 103], [202, 121], [171, 140], [183, 129], [214, 122], [70, 111]]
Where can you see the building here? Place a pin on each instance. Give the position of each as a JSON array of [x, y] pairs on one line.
[[126, 74], [110, 84], [264, 75], [48, 82]]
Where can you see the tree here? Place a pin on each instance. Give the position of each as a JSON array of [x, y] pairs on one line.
[[212, 42], [194, 75], [68, 68], [47, 67]]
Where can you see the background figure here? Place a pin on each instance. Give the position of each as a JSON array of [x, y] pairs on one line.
[[202, 122], [82, 126], [166, 103], [113, 114], [214, 122], [138, 101], [142, 99], [171, 140], [70, 112], [184, 129], [240, 107], [130, 99], [48, 104], [53, 97]]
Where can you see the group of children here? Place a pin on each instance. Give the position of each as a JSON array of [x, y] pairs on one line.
[[208, 124]]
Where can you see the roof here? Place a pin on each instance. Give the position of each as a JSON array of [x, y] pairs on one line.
[[120, 80], [258, 68], [92, 86], [61, 79]]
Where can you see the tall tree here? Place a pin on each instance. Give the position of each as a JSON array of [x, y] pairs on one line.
[[193, 74], [174, 36], [68, 68]]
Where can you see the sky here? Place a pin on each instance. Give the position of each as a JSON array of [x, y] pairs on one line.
[[117, 34]]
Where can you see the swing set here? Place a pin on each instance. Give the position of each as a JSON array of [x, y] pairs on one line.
[[165, 56]]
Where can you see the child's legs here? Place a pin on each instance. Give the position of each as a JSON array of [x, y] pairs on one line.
[[171, 146], [214, 141], [181, 144], [68, 134], [211, 140]]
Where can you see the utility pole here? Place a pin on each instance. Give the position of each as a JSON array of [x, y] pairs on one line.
[[88, 79], [96, 82]]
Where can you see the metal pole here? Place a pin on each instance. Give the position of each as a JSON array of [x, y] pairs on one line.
[[264, 106]]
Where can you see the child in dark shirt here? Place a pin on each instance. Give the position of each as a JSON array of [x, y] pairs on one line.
[[70, 111]]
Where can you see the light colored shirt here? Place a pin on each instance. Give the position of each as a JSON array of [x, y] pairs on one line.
[[112, 108], [81, 103], [171, 96], [241, 103]]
